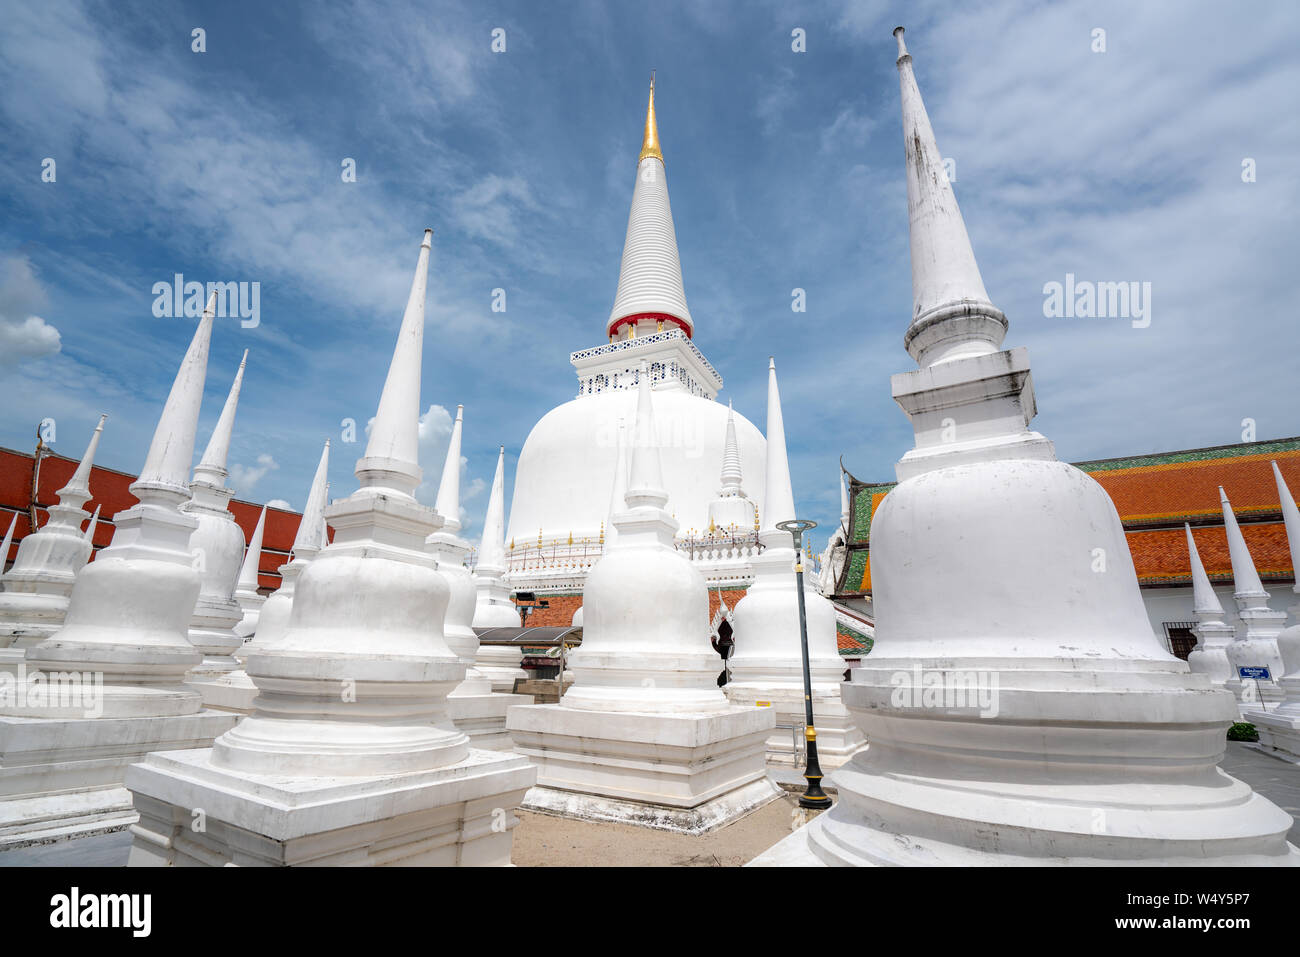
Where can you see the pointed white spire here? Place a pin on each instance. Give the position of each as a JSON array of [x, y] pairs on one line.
[[212, 467], [306, 542], [94, 523], [9, 538], [77, 492], [448, 503], [1291, 520], [492, 548], [167, 465], [252, 557], [1205, 603], [618, 495], [731, 473], [645, 483], [1245, 578], [392, 451], [952, 316], [844, 500], [650, 278], [778, 505]]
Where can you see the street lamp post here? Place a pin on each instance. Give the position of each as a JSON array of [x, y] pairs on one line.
[[814, 796]]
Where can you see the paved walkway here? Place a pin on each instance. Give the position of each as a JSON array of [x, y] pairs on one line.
[[543, 841]]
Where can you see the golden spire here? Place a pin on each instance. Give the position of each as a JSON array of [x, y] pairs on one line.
[[650, 142]]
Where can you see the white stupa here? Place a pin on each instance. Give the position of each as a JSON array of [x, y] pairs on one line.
[[767, 664], [1279, 724], [472, 705], [493, 607], [218, 549], [246, 593], [1019, 707], [1255, 646], [34, 594], [235, 690], [1209, 657], [645, 736], [90, 529], [122, 652], [566, 466], [349, 758]]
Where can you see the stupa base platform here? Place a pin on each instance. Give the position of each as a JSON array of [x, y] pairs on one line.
[[483, 718], [838, 735], [687, 772], [233, 691], [63, 777], [460, 815], [1279, 734]]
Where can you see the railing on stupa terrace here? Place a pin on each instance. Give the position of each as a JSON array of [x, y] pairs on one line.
[[723, 557]]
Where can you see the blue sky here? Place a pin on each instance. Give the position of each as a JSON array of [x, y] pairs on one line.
[[785, 170]]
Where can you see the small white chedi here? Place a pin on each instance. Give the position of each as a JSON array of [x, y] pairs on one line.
[[1212, 632], [1279, 726], [122, 652], [492, 605], [34, 593], [246, 593], [1255, 646], [1019, 707], [234, 690], [767, 664], [645, 736], [349, 757], [473, 706], [218, 549]]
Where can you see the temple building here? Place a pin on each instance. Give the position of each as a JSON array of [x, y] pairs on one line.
[[713, 457]]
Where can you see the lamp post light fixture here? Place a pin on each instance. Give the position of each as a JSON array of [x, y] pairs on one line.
[[814, 796]]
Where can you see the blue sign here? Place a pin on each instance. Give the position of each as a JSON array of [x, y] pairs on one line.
[[1260, 673]]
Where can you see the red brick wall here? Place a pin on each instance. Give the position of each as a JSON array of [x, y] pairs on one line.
[[562, 607]]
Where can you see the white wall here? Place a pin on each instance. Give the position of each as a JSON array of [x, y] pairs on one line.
[[1175, 604]]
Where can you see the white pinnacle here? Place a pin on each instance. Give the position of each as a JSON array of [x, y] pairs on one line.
[[77, 492], [779, 503], [1205, 603], [448, 503], [1245, 577], [167, 465], [392, 452], [94, 522], [212, 467], [646, 478], [253, 557], [307, 541], [844, 501], [1291, 521], [492, 551], [618, 495], [8, 542], [731, 473], [952, 316]]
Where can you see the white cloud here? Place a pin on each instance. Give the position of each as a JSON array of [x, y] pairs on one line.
[[244, 477], [23, 335], [280, 503]]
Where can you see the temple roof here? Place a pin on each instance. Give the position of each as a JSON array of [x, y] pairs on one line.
[[1154, 495]]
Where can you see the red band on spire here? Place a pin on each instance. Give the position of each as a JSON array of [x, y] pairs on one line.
[[618, 324]]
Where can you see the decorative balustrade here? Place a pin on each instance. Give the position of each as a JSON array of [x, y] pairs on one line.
[[573, 557]]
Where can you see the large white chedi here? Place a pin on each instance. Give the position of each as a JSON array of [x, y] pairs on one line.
[[349, 757], [123, 650], [767, 663], [1019, 707], [566, 466], [34, 593], [645, 736], [1279, 727]]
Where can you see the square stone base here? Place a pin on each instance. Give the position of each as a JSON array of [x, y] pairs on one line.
[[1279, 734], [483, 718], [233, 691], [195, 814], [838, 735], [680, 772], [63, 777]]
